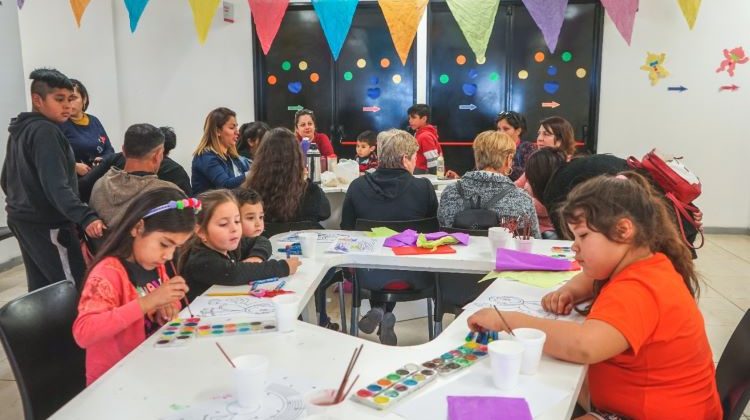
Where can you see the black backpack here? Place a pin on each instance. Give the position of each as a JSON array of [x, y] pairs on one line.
[[478, 216]]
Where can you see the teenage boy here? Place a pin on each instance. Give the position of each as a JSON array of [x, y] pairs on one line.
[[427, 137], [40, 185]]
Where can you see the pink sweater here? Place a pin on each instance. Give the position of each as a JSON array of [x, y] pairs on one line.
[[110, 321]]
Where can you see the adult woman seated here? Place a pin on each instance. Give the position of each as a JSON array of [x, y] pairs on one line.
[[304, 126], [216, 163], [388, 194], [251, 135], [514, 124]]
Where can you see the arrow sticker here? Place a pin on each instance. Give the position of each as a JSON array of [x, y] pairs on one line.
[[295, 108], [677, 88], [552, 104], [730, 88], [370, 108], [470, 107]]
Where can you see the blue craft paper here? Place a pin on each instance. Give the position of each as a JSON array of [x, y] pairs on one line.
[[135, 10], [335, 18]]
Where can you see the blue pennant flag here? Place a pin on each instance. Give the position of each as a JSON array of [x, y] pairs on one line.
[[135, 10], [336, 18]]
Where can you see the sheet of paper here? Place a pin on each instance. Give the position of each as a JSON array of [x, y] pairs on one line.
[[360, 245], [381, 232], [544, 279], [231, 306], [323, 237]]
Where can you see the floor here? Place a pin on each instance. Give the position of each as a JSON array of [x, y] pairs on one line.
[[724, 264]]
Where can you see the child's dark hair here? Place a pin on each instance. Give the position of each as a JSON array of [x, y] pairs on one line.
[[119, 242], [210, 200], [170, 139], [602, 201], [541, 166], [563, 132], [140, 140], [44, 80], [251, 131], [369, 136], [420, 110], [77, 85], [513, 118], [246, 196]]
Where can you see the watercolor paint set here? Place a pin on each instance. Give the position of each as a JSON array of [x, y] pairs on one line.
[[395, 386], [235, 328], [457, 359], [177, 333]]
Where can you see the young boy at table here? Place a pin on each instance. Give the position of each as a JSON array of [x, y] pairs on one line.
[[251, 212], [367, 158], [427, 138]]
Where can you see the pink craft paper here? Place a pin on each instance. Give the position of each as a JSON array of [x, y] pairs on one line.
[[622, 13], [511, 260], [267, 15], [473, 408]]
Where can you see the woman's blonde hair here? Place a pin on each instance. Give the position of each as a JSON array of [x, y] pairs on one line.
[[393, 145], [492, 148], [215, 121]]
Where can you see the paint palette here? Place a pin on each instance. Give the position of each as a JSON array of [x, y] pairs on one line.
[[457, 359], [236, 328], [395, 386], [177, 333]]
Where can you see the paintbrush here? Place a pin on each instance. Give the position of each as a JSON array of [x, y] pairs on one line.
[[184, 298], [348, 390], [349, 369], [503, 319], [226, 355]]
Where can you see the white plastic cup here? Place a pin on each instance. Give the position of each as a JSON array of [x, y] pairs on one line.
[[499, 237], [525, 245], [320, 402], [250, 375], [505, 359], [308, 242], [287, 309], [532, 341]]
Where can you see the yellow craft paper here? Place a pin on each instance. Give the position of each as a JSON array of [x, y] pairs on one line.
[[690, 10], [402, 17], [655, 67], [79, 6], [381, 232], [544, 279], [203, 15], [422, 241]]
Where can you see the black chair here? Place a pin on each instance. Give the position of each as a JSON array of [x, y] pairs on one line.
[[274, 228], [733, 371], [5, 233], [394, 296], [37, 334]]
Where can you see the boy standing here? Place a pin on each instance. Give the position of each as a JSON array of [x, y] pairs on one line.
[[427, 137], [367, 159], [40, 184]]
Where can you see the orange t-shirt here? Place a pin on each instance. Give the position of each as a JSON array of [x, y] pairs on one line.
[[668, 371]]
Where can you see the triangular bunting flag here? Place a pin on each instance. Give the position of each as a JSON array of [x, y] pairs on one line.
[[402, 17], [549, 16], [19, 3], [203, 15], [622, 13], [267, 15], [690, 10], [335, 18], [476, 19], [79, 6], [135, 10]]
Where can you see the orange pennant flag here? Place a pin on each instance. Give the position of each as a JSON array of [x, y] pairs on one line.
[[203, 15], [79, 6], [403, 18]]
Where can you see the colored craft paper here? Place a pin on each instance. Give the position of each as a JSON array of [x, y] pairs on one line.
[[20, 3], [622, 13], [203, 15], [135, 10], [461, 238], [476, 19], [405, 238], [544, 279], [655, 67], [690, 10], [422, 242], [472, 408], [381, 232], [731, 59], [415, 250], [79, 6], [267, 15], [335, 19], [549, 16], [512, 260], [403, 18]]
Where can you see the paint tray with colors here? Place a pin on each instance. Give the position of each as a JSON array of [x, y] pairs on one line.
[[395, 386], [235, 328], [177, 333], [457, 359]]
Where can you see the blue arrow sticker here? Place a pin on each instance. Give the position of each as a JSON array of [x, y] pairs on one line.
[[470, 89], [294, 87], [551, 87]]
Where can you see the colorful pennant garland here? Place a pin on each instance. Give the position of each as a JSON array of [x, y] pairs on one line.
[[402, 17], [476, 20], [335, 18], [622, 13], [267, 15], [135, 10], [203, 15], [549, 16], [79, 6], [690, 10], [20, 3]]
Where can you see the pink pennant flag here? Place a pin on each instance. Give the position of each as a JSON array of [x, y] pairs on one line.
[[267, 15], [549, 16], [622, 13]]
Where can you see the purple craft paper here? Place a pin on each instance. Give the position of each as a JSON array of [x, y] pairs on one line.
[[20, 3], [476, 408], [462, 238], [549, 16], [510, 260], [405, 238]]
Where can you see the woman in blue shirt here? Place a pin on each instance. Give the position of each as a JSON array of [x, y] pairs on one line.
[[85, 132], [216, 163]]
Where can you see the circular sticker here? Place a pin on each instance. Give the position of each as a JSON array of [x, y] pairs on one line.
[[361, 63], [494, 76], [396, 78], [314, 77], [385, 63], [348, 76], [523, 75], [444, 78], [539, 57], [286, 66], [566, 56], [460, 59], [303, 65], [581, 73], [272, 80]]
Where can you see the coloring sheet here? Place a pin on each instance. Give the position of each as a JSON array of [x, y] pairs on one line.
[[232, 306], [349, 245], [514, 296], [323, 237]]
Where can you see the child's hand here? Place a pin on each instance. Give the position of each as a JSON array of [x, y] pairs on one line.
[[293, 263], [96, 229], [253, 260], [558, 302], [165, 294], [485, 320], [166, 313]]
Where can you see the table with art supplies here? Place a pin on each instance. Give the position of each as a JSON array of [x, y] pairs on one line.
[[242, 354]]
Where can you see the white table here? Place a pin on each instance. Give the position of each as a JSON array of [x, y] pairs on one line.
[[146, 382]]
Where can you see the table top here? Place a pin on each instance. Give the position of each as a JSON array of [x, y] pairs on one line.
[[437, 183], [149, 382]]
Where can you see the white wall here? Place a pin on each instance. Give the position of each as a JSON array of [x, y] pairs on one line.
[[708, 127], [12, 99]]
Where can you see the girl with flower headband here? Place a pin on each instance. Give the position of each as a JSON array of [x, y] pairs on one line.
[[127, 293]]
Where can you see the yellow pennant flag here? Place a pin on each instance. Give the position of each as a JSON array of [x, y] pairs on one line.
[[690, 10], [203, 15], [79, 6], [402, 17]]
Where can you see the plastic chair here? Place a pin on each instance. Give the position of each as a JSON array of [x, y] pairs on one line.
[[390, 296], [733, 371], [36, 332]]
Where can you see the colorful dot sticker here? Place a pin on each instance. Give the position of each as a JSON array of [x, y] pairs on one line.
[[303, 65], [494, 76], [272, 80], [566, 56], [523, 75], [348, 76], [385, 63], [470, 89], [460, 59], [539, 57], [396, 78], [552, 70], [481, 60], [286, 66], [314, 77], [361, 63], [444, 78], [581, 73]]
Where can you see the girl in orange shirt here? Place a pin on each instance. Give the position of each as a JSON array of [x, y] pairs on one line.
[[643, 337]]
